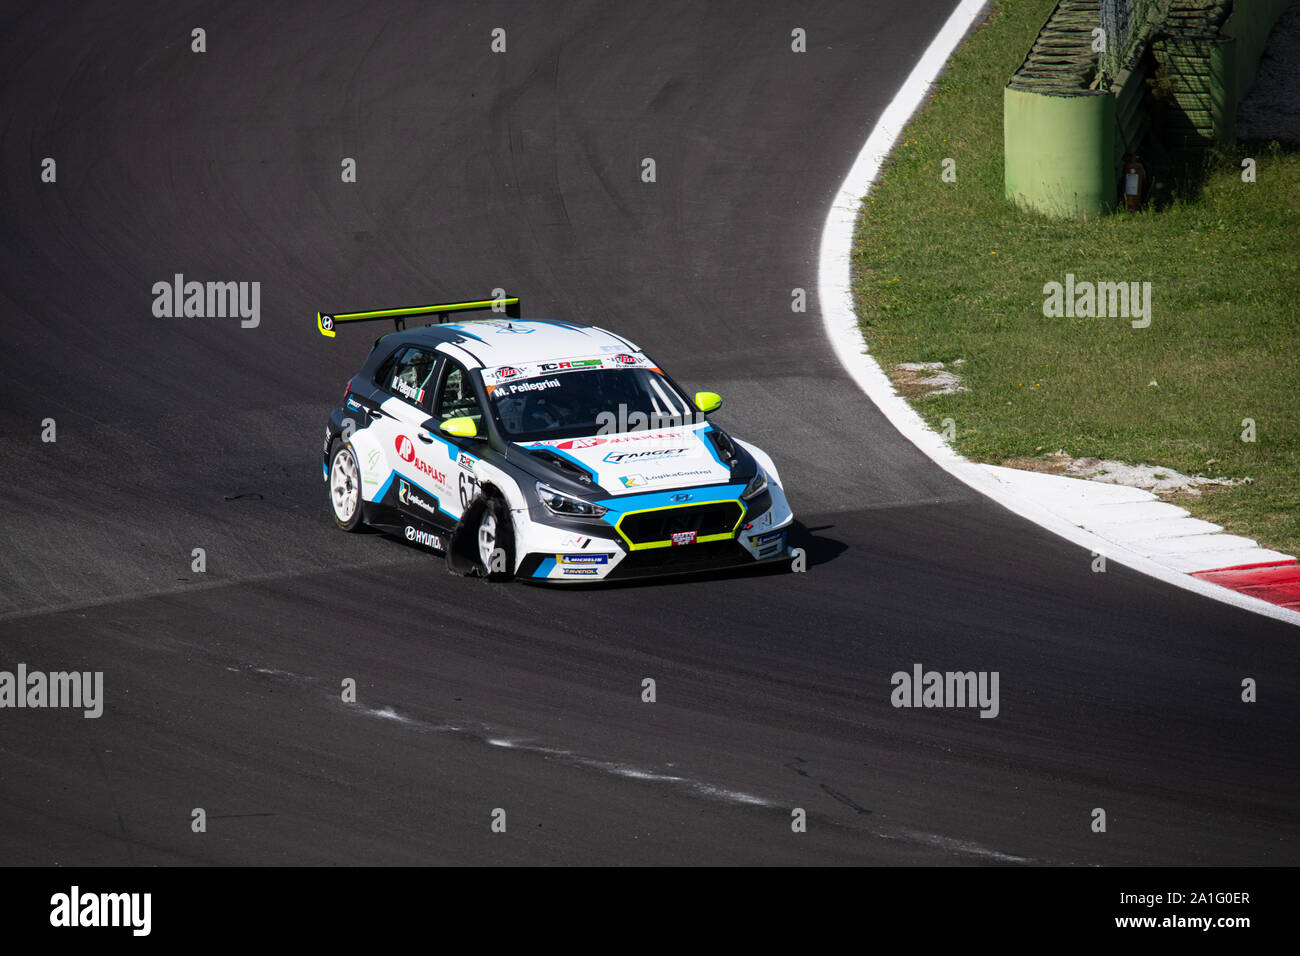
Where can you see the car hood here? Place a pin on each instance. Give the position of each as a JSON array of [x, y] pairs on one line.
[[636, 462]]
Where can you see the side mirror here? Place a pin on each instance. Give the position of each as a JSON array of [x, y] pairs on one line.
[[459, 427], [708, 401]]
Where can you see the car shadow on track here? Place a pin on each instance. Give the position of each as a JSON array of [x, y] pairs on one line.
[[816, 549]]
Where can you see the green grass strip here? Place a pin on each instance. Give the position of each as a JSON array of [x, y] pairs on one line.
[[950, 270]]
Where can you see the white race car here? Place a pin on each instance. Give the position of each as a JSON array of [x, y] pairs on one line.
[[543, 450]]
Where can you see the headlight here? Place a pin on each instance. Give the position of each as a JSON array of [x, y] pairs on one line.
[[558, 503], [756, 487]]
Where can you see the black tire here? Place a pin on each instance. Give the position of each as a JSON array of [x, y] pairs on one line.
[[496, 517], [345, 495]]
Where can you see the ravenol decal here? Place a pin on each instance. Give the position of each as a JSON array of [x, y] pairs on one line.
[[580, 571]]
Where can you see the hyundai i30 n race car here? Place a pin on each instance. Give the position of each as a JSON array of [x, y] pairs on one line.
[[542, 450]]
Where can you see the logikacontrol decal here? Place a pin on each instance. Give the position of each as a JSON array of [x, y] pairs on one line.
[[636, 481], [411, 498]]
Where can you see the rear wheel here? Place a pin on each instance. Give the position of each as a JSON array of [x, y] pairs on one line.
[[345, 488]]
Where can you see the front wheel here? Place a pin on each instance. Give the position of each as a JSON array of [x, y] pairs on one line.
[[495, 541], [345, 489]]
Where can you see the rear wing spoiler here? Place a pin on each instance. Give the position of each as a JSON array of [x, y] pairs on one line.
[[327, 322]]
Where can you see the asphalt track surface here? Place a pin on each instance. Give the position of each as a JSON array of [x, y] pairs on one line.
[[522, 170]]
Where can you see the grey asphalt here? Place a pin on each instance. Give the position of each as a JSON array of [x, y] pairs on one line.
[[522, 170]]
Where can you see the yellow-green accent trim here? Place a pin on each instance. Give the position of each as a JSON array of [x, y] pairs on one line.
[[462, 427], [327, 329], [708, 401], [645, 546]]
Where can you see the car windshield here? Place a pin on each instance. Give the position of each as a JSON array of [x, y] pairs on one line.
[[594, 401]]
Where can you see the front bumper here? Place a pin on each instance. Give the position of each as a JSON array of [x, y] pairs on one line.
[[652, 535]]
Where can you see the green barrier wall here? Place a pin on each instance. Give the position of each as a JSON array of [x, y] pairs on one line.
[[1223, 66], [1064, 141], [1132, 119], [1059, 152], [1249, 25]]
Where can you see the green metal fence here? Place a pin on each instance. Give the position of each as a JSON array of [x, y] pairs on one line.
[[1124, 23]]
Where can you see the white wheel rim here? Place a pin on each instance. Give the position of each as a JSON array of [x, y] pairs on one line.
[[345, 486], [487, 538]]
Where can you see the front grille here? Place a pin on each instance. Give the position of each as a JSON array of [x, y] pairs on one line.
[[648, 528]]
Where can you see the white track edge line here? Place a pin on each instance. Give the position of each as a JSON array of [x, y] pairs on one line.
[[834, 291]]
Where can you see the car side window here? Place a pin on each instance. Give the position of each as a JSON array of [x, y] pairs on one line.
[[411, 377], [456, 398], [384, 373]]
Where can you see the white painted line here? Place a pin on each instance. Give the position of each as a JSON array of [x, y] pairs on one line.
[[1219, 560], [834, 291], [1063, 488], [1096, 516], [1197, 544], [1151, 530]]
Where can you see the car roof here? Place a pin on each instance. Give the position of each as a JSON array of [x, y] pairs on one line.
[[517, 341]]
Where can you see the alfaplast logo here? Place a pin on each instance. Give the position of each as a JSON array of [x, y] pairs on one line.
[[83, 690], [1099, 300], [208, 300], [922, 688], [75, 908]]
